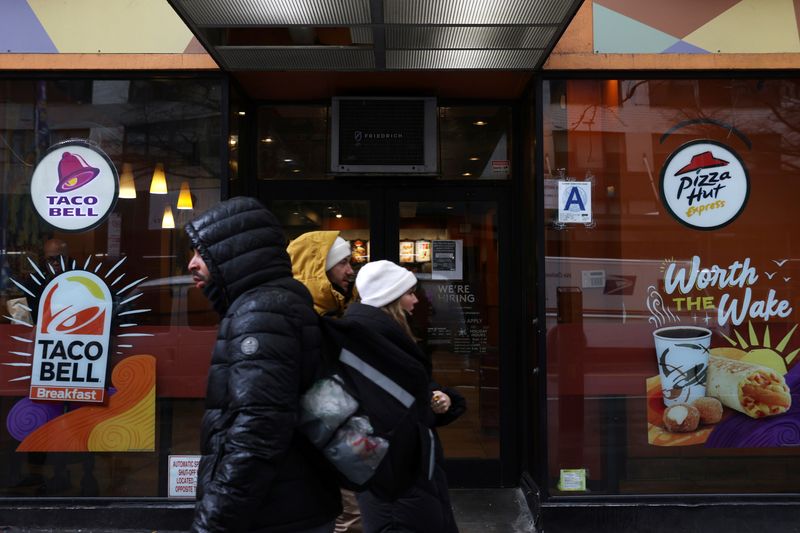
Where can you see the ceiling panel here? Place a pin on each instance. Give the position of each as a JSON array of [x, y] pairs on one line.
[[220, 13], [361, 35], [349, 35], [463, 59], [475, 11], [455, 37], [296, 58]]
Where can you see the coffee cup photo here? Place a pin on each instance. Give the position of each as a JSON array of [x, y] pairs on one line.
[[682, 355]]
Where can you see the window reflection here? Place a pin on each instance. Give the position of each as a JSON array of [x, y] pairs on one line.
[[292, 142], [475, 142]]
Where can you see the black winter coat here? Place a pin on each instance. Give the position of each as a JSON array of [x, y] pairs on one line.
[[256, 472], [425, 506]]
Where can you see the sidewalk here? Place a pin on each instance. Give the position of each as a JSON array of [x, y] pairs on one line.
[[476, 511], [491, 511]]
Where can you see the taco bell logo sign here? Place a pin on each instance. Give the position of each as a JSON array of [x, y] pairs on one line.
[[70, 355], [704, 185], [74, 187]]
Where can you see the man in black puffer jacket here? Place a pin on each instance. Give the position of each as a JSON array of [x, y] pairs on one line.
[[257, 473]]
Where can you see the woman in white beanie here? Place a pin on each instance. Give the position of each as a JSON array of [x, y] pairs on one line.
[[387, 297]]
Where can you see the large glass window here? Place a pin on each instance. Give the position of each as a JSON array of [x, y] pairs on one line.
[[474, 142], [692, 199], [292, 142], [164, 129]]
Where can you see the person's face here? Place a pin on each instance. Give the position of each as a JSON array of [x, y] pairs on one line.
[[341, 273], [199, 271], [53, 250], [409, 300]]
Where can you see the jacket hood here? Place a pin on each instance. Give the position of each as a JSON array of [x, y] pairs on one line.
[[243, 246], [308, 253]]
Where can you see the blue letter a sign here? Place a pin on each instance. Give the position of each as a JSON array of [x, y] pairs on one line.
[[574, 198]]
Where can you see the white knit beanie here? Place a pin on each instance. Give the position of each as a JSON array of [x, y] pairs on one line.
[[382, 282], [339, 250]]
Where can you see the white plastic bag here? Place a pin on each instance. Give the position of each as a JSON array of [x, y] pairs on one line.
[[325, 407], [355, 451]]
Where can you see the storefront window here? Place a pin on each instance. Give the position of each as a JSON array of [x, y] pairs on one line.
[[292, 142], [474, 142], [162, 330], [689, 187]]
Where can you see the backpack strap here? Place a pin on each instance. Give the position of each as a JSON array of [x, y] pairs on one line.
[[377, 377]]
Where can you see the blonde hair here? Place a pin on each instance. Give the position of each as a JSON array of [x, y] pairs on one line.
[[396, 311]]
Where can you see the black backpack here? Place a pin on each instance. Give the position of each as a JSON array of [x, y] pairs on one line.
[[366, 412]]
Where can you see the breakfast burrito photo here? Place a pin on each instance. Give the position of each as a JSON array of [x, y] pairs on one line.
[[754, 390]]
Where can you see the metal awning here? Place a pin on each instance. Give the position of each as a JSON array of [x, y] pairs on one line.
[[377, 35]]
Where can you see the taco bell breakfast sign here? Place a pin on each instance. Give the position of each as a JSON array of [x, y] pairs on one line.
[[74, 187], [71, 348], [704, 185]]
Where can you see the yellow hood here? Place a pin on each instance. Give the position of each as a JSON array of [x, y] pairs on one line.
[[308, 253]]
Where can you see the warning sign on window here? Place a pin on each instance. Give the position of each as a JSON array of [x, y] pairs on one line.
[[183, 476]]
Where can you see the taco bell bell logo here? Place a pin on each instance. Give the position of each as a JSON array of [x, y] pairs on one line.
[[74, 187], [72, 339], [704, 185]]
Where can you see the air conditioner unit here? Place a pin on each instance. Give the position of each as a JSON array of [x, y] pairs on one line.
[[384, 135]]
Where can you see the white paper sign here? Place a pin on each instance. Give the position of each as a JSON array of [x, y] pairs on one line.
[[575, 202], [183, 476]]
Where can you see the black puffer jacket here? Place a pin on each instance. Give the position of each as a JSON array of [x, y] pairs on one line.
[[257, 473]]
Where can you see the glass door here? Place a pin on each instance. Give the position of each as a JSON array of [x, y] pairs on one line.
[[451, 238], [452, 248]]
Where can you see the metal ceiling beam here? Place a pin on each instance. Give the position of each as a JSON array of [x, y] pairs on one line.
[[378, 34]]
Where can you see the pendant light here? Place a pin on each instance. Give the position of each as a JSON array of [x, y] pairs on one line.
[[127, 187], [168, 222], [158, 185], [185, 197]]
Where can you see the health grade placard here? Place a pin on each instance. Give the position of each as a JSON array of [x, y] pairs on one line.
[[72, 339]]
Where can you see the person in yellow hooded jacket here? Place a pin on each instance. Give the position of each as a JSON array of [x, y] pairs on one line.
[[321, 262]]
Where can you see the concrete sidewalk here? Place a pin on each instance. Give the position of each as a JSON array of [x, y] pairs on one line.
[[476, 511]]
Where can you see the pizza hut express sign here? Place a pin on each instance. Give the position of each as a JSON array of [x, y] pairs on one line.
[[74, 187], [704, 185]]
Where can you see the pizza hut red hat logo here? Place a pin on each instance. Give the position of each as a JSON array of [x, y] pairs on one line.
[[704, 185], [702, 161]]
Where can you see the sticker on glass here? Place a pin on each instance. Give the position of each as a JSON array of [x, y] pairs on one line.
[[704, 185], [74, 187]]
